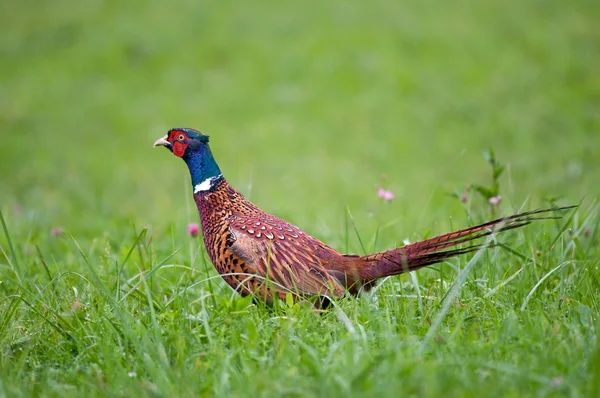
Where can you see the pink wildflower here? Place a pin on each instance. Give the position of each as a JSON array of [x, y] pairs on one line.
[[464, 197], [193, 229], [58, 231], [557, 381], [494, 201], [385, 195]]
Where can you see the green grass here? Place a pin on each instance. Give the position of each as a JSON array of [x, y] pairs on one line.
[[310, 107]]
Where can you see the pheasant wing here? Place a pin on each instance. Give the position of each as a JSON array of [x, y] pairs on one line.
[[283, 254]]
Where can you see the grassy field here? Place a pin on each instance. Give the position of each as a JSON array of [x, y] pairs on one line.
[[310, 107]]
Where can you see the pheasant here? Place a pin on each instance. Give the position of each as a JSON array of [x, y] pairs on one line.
[[262, 255]]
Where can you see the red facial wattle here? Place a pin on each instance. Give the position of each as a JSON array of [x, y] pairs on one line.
[[179, 148], [179, 141]]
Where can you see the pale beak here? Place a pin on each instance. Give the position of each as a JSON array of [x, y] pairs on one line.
[[163, 142]]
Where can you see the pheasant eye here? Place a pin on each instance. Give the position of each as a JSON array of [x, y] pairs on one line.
[[180, 137]]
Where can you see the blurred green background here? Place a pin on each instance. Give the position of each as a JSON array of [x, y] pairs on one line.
[[310, 106]]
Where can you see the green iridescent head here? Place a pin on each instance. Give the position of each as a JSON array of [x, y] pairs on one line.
[[192, 146]]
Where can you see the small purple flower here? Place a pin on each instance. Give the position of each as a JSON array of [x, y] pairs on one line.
[[495, 201], [464, 197], [193, 229], [58, 231], [385, 195]]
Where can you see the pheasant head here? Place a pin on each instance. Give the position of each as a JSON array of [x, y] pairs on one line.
[[192, 146]]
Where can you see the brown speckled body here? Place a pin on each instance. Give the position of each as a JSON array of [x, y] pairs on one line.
[[238, 235]]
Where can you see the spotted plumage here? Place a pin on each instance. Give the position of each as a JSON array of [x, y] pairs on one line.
[[257, 253]]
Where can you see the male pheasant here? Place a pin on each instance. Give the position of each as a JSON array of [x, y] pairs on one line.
[[259, 254]]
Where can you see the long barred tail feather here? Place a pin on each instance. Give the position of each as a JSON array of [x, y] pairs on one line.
[[430, 251]]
